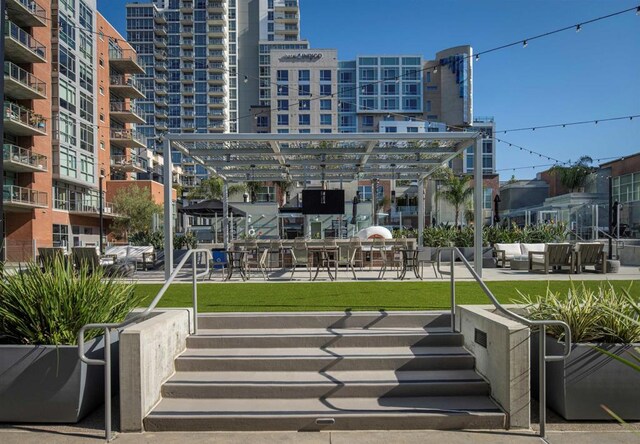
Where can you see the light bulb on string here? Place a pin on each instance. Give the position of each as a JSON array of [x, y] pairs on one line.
[[524, 43], [477, 57], [246, 79], [578, 28]]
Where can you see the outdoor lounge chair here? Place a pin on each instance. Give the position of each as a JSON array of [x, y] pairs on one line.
[[591, 253], [89, 256], [300, 256], [554, 255]]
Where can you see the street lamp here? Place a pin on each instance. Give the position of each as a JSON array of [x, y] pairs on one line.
[[100, 209]]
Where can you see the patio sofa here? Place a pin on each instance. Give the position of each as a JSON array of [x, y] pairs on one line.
[[506, 252], [144, 256]]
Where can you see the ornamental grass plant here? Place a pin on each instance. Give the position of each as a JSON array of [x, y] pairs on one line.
[[602, 315], [48, 306]]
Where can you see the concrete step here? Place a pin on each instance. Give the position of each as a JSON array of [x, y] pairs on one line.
[[320, 337], [348, 319], [334, 384], [324, 359], [455, 412]]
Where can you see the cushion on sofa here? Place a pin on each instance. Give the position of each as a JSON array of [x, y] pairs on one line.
[[510, 250], [526, 248]]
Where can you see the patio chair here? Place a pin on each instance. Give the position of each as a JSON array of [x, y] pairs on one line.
[[331, 258], [554, 255], [88, 256], [300, 256], [218, 261], [346, 258], [47, 256], [591, 253], [252, 259], [379, 247], [394, 256], [355, 246], [263, 263], [425, 258], [275, 249]]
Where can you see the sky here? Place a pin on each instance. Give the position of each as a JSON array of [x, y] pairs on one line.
[[571, 76]]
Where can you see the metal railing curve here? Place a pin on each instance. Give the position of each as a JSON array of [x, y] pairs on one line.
[[108, 327], [543, 358]]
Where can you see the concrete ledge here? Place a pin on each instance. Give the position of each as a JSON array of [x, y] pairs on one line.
[[501, 350], [147, 353]]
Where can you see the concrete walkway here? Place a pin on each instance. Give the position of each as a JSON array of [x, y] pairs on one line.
[[33, 435]]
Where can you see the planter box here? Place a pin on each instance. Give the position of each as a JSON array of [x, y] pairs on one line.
[[49, 384], [578, 386]]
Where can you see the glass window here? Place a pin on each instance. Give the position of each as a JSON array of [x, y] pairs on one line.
[[390, 89], [304, 105], [60, 235], [391, 129], [283, 75], [390, 73], [368, 61], [346, 77], [304, 90], [304, 75], [325, 119], [325, 130], [283, 105], [412, 129], [367, 120], [67, 129], [283, 119], [389, 61], [325, 90], [368, 74], [87, 167], [283, 90], [325, 75], [262, 121], [67, 94], [410, 89], [325, 104], [410, 103], [67, 63], [304, 119], [427, 106], [411, 73]]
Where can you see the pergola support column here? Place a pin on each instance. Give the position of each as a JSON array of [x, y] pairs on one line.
[[168, 217], [225, 215], [421, 207], [477, 205]]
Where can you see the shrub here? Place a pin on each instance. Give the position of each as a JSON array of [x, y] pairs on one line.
[[188, 240], [49, 306], [143, 238], [602, 315]]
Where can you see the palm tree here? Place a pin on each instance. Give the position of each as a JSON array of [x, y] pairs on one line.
[[575, 175], [454, 189], [212, 188]]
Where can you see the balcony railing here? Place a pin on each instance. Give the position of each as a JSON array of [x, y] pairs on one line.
[[22, 37], [27, 13], [13, 154], [26, 79], [88, 205], [126, 162], [116, 80], [21, 196], [24, 117], [125, 60], [124, 107], [127, 134]]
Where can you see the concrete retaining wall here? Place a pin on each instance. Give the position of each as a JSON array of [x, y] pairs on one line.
[[504, 361], [147, 353]]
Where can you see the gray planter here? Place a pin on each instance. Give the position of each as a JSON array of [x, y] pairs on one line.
[[578, 386], [48, 383]]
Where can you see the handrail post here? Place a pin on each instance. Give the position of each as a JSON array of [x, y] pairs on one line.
[[542, 380], [453, 290], [194, 280], [107, 384]]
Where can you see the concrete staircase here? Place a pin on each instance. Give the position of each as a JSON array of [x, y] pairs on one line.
[[333, 371]]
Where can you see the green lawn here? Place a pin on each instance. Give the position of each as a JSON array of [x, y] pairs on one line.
[[337, 296]]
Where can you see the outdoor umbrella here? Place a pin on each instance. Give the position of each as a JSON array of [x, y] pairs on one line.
[[211, 208], [496, 212], [354, 210]]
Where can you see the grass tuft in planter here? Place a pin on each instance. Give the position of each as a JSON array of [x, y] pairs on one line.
[[49, 306], [603, 315]]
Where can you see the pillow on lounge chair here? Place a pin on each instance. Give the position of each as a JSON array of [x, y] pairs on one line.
[[510, 250], [526, 248]]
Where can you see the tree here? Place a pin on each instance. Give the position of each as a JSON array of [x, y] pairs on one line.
[[575, 175], [134, 211], [454, 189], [212, 188]]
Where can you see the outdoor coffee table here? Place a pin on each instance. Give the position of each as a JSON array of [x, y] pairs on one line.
[[409, 262], [323, 256], [519, 263], [236, 260]]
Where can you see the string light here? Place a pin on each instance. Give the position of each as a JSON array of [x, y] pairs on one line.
[[524, 43], [578, 28], [246, 79], [477, 55], [564, 125]]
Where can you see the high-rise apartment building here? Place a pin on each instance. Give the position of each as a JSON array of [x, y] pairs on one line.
[[69, 124]]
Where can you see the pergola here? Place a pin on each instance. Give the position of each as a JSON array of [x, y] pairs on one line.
[[343, 157]]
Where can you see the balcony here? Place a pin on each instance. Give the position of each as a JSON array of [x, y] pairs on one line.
[[161, 90], [290, 18], [216, 43], [87, 206], [160, 19], [186, 44], [125, 60], [216, 56], [160, 30], [23, 198], [126, 87], [162, 103], [20, 47], [161, 78], [127, 164], [160, 55], [26, 13], [216, 67], [23, 160], [186, 31], [161, 113], [287, 29], [217, 91], [188, 55], [160, 66], [161, 125], [289, 6], [125, 112], [216, 19], [187, 78], [216, 7], [188, 90], [186, 6], [186, 19], [217, 103], [216, 79], [124, 138], [21, 84], [188, 104], [21, 121], [217, 31], [187, 67], [160, 43]]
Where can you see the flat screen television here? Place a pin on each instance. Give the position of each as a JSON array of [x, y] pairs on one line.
[[322, 201]]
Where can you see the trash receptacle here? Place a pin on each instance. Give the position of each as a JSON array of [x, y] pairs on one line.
[[219, 258]]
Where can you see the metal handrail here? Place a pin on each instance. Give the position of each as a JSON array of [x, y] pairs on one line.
[[107, 327], [543, 358]]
